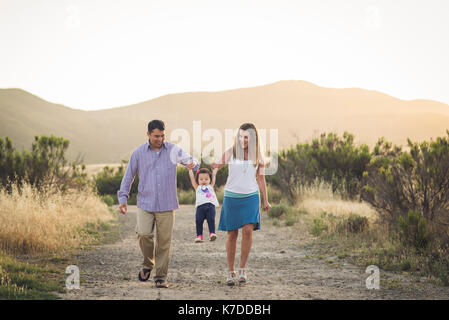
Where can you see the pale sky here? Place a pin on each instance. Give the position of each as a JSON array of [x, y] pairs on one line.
[[96, 54]]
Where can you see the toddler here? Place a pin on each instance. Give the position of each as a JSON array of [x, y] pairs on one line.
[[206, 201]]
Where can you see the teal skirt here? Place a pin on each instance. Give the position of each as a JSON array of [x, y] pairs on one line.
[[237, 212]]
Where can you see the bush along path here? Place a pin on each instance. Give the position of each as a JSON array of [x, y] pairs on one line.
[[283, 264]]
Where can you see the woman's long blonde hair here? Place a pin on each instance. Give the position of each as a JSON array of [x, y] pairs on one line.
[[253, 152]]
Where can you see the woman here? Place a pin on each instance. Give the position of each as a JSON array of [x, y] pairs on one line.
[[240, 209]]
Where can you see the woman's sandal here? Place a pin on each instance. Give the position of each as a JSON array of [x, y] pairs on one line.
[[142, 274], [242, 275], [230, 281], [161, 283]]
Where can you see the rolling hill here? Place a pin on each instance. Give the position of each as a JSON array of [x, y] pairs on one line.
[[299, 110]]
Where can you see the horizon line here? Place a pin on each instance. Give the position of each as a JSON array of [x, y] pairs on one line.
[[224, 90]]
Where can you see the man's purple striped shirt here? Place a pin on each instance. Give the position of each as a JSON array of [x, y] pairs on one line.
[[157, 176]]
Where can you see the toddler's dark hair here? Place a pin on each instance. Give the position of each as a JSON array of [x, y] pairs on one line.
[[203, 170]]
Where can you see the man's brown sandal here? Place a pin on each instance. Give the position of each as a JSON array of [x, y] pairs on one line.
[[144, 274], [161, 283]]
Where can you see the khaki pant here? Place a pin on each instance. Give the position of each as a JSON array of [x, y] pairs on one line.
[[155, 255]]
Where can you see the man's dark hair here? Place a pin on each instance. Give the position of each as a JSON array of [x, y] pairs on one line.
[[156, 124]]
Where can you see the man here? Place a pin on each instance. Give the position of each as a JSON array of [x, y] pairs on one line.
[[155, 163]]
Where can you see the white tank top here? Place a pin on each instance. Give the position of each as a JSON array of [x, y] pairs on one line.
[[241, 176]]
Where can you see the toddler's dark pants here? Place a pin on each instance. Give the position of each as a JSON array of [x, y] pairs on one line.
[[205, 211]]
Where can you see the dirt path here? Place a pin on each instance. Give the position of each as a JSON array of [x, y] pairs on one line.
[[280, 266]]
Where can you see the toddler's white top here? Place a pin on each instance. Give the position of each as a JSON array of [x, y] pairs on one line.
[[205, 194]]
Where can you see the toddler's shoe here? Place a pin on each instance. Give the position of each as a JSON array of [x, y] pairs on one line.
[[199, 239], [212, 236]]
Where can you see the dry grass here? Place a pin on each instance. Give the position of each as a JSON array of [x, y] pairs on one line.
[[319, 197], [33, 223], [341, 230]]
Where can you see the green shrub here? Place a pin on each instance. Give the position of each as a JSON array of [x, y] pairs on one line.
[[440, 268], [108, 199], [186, 197], [45, 167], [353, 224], [109, 179], [220, 194], [336, 160], [405, 265], [398, 181], [132, 199], [183, 178], [291, 219], [275, 196], [278, 210], [318, 226], [413, 230]]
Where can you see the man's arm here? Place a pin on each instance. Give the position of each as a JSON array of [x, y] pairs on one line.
[[186, 159], [128, 179]]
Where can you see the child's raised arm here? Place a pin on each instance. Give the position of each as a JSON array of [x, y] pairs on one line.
[[192, 179], [214, 175]]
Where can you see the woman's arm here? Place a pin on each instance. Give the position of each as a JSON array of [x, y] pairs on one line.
[[214, 175], [224, 160], [192, 179], [263, 185]]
